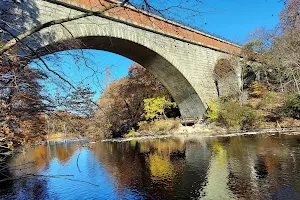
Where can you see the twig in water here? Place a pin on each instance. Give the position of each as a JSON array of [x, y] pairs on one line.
[[62, 176], [77, 162]]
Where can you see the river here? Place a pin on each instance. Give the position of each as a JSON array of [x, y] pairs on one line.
[[265, 166]]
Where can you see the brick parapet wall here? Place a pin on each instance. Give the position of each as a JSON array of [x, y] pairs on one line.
[[146, 20]]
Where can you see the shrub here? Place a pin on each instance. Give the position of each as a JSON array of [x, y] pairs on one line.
[[258, 89], [233, 115], [291, 107], [155, 107], [131, 133], [159, 126], [212, 112], [223, 67], [270, 100]]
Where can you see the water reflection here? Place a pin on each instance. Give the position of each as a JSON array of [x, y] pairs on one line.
[[216, 186], [260, 167]]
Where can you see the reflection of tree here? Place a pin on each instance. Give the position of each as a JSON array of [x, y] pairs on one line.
[[121, 161], [261, 166], [172, 168], [37, 158], [241, 158], [143, 164], [31, 161], [40, 156], [64, 152], [160, 167], [162, 146]]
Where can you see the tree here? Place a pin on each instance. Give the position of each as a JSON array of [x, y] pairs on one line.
[[289, 16], [155, 107], [278, 52], [22, 102], [122, 103], [79, 102]]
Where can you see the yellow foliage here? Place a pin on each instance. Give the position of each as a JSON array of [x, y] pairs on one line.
[[154, 107], [213, 112], [258, 89], [132, 133], [6, 136], [221, 154], [160, 167], [108, 126]]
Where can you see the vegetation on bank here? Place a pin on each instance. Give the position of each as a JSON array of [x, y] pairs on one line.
[[269, 94], [271, 110]]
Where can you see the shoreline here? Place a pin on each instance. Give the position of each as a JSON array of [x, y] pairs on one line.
[[184, 131], [199, 133], [209, 134]]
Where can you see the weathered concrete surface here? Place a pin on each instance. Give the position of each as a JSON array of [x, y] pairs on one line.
[[185, 67]]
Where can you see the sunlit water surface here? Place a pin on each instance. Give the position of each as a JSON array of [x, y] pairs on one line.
[[242, 167]]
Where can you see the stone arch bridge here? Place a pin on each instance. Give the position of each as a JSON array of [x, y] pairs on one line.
[[182, 58]]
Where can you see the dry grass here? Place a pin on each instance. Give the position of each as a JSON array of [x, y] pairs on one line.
[[268, 106], [58, 136], [156, 127]]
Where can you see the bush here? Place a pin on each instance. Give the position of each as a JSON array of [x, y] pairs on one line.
[[291, 107], [270, 100], [159, 126], [131, 133], [155, 107], [212, 112], [233, 115], [258, 89]]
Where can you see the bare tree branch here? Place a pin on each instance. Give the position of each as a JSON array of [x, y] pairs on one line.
[[50, 70]]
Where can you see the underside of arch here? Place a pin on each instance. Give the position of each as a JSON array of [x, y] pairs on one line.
[[189, 102]]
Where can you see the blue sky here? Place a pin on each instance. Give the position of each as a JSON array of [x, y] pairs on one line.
[[235, 19], [231, 19]]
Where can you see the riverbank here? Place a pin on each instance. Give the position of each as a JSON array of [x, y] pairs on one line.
[[205, 132], [173, 129]]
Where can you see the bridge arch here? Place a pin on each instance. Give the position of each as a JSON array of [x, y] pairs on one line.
[[189, 102], [184, 67]]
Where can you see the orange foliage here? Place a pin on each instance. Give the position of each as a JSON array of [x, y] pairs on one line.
[[289, 17], [21, 103], [258, 89], [122, 101]]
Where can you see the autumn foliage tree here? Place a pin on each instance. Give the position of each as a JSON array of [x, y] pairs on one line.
[[122, 103], [22, 102], [278, 51], [155, 107]]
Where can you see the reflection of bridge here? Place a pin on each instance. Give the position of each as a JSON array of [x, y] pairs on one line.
[[181, 57]]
